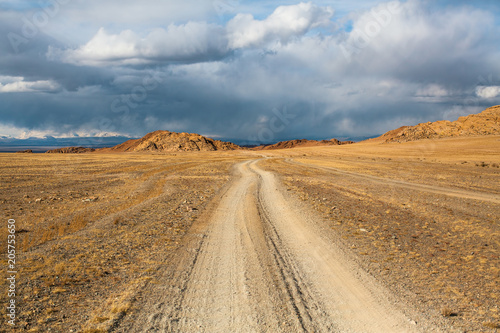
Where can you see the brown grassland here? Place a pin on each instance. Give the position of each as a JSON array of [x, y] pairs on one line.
[[94, 229], [423, 215]]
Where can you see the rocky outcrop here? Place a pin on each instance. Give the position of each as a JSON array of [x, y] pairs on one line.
[[166, 141], [484, 123]]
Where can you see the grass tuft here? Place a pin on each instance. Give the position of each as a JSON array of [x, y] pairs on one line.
[[491, 325], [447, 312]]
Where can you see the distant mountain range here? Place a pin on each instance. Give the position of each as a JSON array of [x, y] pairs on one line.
[[166, 141], [302, 143], [155, 142], [484, 123]]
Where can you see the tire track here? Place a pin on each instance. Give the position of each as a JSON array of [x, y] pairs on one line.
[[495, 198], [256, 264]]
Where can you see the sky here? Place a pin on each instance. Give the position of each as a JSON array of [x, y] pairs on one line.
[[250, 71]]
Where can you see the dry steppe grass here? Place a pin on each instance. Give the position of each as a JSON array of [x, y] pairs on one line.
[[92, 229], [441, 251], [95, 229]]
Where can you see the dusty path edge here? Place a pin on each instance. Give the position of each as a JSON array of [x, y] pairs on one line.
[[178, 261]]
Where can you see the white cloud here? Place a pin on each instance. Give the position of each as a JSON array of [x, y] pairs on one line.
[[77, 21], [407, 37], [193, 41], [488, 91], [14, 132], [283, 24], [10, 84], [422, 53], [431, 93]]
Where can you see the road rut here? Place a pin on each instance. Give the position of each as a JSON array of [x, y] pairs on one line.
[[260, 264]]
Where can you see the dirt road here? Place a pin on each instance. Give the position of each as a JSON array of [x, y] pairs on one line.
[[259, 263]]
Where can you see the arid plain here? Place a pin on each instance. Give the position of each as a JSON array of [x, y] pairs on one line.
[[117, 242], [250, 166]]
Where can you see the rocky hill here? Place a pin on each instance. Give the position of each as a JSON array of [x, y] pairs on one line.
[[70, 150], [484, 123], [166, 141], [303, 143]]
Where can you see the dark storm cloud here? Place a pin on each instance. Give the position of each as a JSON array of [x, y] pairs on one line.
[[286, 74]]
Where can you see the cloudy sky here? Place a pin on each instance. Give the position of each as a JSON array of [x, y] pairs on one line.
[[248, 70]]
